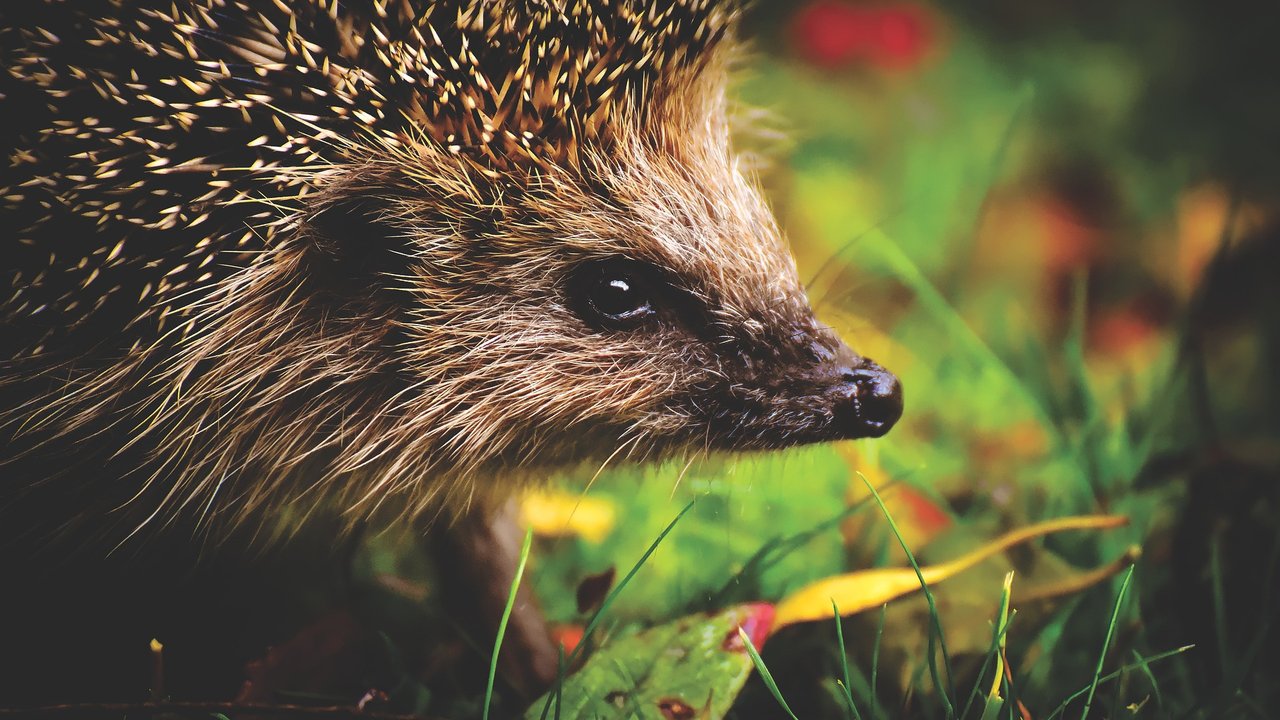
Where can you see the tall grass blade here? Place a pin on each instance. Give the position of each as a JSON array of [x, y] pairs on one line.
[[1000, 631], [1151, 678], [765, 675], [560, 672], [844, 663], [506, 616], [611, 597], [936, 640], [936, 304], [1113, 675], [1219, 603], [1106, 644], [875, 660]]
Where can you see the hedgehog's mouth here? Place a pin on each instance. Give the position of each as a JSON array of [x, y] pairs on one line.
[[834, 401]]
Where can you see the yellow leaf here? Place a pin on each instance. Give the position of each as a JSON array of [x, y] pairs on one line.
[[866, 589], [1072, 584], [555, 513]]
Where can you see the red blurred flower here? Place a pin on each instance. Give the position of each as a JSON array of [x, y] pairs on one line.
[[904, 35], [833, 34]]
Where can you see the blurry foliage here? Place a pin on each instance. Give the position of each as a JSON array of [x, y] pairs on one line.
[[1204, 99]]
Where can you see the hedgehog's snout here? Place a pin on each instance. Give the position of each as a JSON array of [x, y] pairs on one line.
[[866, 400]]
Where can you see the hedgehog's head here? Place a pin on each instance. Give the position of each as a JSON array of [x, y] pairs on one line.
[[653, 305], [611, 283], [534, 248]]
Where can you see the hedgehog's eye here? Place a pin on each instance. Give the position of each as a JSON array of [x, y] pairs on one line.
[[614, 293]]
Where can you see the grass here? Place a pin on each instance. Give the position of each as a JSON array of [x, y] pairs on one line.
[[935, 630], [506, 616], [600, 612], [1141, 663], [1106, 644], [994, 702], [875, 661], [622, 584], [765, 675], [846, 683], [995, 655]]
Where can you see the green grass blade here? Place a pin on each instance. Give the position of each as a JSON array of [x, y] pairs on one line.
[[506, 616], [1050, 638], [1106, 644], [611, 597], [844, 664], [1011, 698], [875, 660], [560, 672], [999, 633], [622, 584], [776, 550], [986, 183], [1151, 678], [765, 675], [1113, 675], [935, 631], [1219, 604]]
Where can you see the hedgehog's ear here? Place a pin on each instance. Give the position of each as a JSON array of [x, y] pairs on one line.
[[355, 238]]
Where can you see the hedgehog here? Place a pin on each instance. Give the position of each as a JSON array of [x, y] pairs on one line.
[[382, 262]]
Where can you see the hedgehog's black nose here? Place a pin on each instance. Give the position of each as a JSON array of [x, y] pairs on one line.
[[867, 401]]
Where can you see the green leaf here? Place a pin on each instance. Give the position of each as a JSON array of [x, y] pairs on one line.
[[696, 663]]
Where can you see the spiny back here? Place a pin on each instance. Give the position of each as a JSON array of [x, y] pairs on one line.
[[157, 147]]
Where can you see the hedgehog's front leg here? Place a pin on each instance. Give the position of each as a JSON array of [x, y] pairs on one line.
[[476, 556]]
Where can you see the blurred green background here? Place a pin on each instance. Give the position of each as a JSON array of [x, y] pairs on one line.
[[1056, 222]]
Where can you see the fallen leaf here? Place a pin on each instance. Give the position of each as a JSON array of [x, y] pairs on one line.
[[1072, 584], [691, 667], [866, 589]]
